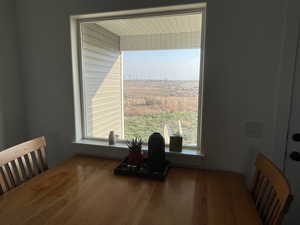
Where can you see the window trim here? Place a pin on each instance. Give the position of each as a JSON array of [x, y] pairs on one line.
[[77, 20]]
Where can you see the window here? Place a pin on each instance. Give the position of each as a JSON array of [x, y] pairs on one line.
[[141, 73], [161, 89]]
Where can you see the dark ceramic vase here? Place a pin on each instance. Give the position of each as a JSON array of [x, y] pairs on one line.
[[156, 152]]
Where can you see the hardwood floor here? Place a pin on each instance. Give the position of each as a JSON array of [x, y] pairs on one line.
[[84, 191]]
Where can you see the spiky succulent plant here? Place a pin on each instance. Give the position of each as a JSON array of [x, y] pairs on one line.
[[135, 145]]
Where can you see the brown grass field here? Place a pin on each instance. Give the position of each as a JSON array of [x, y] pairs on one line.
[[155, 97]]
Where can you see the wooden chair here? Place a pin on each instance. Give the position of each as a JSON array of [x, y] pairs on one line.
[[271, 191], [22, 162]]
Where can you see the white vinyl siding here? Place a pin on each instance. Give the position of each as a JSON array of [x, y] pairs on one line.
[[101, 81], [171, 24], [185, 40]]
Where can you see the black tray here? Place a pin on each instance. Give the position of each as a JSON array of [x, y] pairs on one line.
[[125, 169]]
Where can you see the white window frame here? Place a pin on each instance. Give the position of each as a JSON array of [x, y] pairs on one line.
[[75, 22]]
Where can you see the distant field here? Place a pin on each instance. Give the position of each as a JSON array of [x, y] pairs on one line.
[[154, 97], [149, 105]]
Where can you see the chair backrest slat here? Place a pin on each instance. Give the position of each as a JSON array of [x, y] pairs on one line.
[[1, 190], [22, 162], [42, 156], [14, 172], [271, 191], [25, 169], [8, 177], [270, 196], [19, 170], [38, 161], [28, 166], [32, 164]]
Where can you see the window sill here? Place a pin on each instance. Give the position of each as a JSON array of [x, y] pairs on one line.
[[122, 146]]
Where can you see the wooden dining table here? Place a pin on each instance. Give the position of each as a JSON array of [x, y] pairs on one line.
[[84, 191]]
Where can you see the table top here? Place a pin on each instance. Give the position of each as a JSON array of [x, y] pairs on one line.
[[84, 191]]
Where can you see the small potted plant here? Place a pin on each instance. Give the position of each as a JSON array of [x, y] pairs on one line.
[[135, 156]]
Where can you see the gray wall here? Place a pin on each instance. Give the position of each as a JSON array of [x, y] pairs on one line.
[[244, 41], [11, 101]]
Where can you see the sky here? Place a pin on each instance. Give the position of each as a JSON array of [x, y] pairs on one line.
[[179, 64]]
